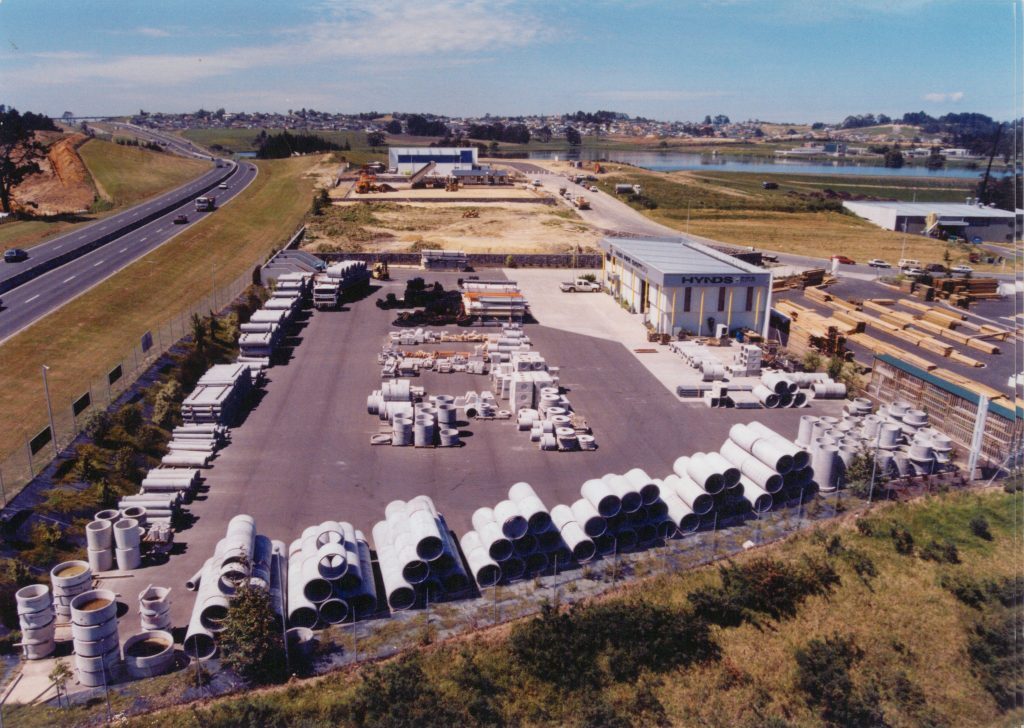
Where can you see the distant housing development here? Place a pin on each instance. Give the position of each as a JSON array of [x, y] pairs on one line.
[[933, 218], [409, 160]]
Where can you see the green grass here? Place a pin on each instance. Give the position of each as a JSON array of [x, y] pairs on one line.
[[127, 175], [80, 341], [910, 636]]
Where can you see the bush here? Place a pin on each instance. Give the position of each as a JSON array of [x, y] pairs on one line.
[[945, 552], [399, 694], [251, 640], [823, 674], [166, 404], [992, 647], [979, 527], [812, 360], [97, 425], [964, 588], [902, 540]]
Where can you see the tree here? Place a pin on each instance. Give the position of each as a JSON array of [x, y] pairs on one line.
[[251, 641], [894, 157], [20, 153], [544, 134], [198, 332], [376, 139], [59, 676], [573, 137], [393, 127]]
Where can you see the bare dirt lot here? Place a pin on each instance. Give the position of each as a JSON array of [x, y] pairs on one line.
[[475, 228]]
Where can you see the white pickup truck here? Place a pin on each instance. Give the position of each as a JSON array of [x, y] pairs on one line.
[[580, 285]]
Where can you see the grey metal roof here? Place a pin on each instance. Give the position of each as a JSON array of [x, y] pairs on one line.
[[672, 256], [923, 209]]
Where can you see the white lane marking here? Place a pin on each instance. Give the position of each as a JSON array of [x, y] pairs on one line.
[[135, 214], [122, 250], [68, 280], [30, 300], [103, 227], [57, 247], [142, 240], [97, 264]]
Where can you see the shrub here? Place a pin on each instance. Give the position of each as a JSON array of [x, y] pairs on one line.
[[129, 417], [945, 552], [967, 590], [823, 674], [251, 640], [400, 694], [97, 425], [902, 540], [90, 464], [992, 647], [979, 527], [812, 360], [166, 404]]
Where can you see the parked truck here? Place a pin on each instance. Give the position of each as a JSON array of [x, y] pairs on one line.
[[581, 202], [581, 285]]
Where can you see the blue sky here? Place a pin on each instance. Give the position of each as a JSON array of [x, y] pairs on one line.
[[778, 60]]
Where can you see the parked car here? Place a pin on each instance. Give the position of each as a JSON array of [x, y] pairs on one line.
[[181, 220], [914, 272], [13, 255], [961, 269], [878, 263], [935, 268], [593, 188], [844, 260]]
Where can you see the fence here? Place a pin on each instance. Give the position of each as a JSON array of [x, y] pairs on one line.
[[481, 260], [40, 448]]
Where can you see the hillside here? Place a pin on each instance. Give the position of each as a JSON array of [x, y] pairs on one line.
[[903, 617], [126, 175]]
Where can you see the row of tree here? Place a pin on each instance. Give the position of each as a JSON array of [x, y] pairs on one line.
[[972, 131], [285, 144], [498, 132]]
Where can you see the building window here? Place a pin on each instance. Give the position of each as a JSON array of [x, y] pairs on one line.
[[686, 299], [750, 299], [721, 298]]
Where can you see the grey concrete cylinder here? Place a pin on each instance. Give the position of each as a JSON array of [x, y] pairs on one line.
[[148, 654], [99, 535]]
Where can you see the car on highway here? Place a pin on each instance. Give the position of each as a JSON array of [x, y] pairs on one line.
[[844, 260], [913, 272], [878, 263], [223, 185], [13, 255], [181, 220], [961, 269], [935, 268], [593, 188]]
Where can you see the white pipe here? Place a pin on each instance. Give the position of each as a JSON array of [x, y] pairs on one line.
[[585, 513], [512, 521], [536, 514], [751, 467], [199, 643], [302, 611], [695, 497], [582, 546], [679, 512], [597, 492], [644, 484], [629, 496], [704, 474], [759, 498]]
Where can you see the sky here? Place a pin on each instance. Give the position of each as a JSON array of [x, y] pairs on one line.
[[774, 60]]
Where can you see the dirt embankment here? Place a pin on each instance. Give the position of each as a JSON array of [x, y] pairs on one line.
[[63, 183]]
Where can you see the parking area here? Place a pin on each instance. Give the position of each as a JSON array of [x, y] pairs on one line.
[[303, 453]]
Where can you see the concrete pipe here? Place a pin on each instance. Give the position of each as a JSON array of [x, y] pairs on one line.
[[112, 515], [95, 672], [485, 570], [399, 592], [37, 650], [214, 611], [549, 540], [760, 500], [629, 496], [646, 533], [644, 484], [889, 436], [847, 453], [333, 610], [696, 498], [155, 607], [752, 467], [779, 382], [799, 399], [536, 563], [70, 578], [800, 457], [33, 598], [94, 607], [680, 512], [314, 586], [703, 472], [100, 561], [525, 545], [513, 569], [40, 619], [302, 611], [329, 532], [99, 647], [278, 578], [199, 643], [259, 573], [512, 521], [93, 632], [363, 600], [625, 538], [765, 396], [582, 547], [536, 514], [353, 575], [597, 492], [605, 544], [98, 535], [498, 546], [656, 511], [823, 464], [586, 514], [806, 432], [426, 535], [730, 473], [331, 562], [148, 654], [128, 559]]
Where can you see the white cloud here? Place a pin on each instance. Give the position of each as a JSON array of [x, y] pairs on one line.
[[655, 95], [938, 98], [152, 32]]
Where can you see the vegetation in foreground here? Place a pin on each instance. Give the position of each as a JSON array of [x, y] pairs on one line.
[[902, 617]]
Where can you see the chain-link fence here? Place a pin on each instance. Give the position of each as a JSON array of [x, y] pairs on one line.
[[68, 417]]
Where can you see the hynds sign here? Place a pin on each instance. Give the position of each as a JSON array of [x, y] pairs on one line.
[[710, 280]]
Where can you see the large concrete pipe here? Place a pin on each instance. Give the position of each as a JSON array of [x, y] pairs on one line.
[[760, 500], [769, 452], [597, 492], [278, 577], [585, 513], [525, 545], [513, 523], [582, 547], [260, 572], [329, 532], [199, 643], [333, 610], [363, 599], [702, 472], [399, 593], [531, 507], [695, 497], [766, 396], [778, 382], [679, 511], [485, 570], [644, 484], [800, 456], [414, 569], [427, 535], [730, 472], [302, 612], [513, 568], [823, 464], [629, 495], [752, 467], [353, 575]]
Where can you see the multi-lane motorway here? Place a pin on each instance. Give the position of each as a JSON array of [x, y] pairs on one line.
[[35, 298]]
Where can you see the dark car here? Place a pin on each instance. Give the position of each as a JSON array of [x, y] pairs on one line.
[[181, 220], [843, 260], [13, 255], [935, 268]]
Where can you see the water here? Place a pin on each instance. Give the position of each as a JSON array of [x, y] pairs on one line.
[[684, 161], [246, 155]]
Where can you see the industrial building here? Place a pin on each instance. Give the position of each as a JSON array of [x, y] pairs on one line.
[[681, 286], [935, 218], [409, 160]]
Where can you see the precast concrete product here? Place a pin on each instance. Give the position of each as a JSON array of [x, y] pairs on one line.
[[643, 483], [550, 539], [400, 593], [155, 608], [447, 415], [536, 563], [100, 561], [780, 383], [301, 610], [128, 559], [127, 533], [401, 432], [915, 418], [760, 500], [586, 514], [829, 390], [921, 452], [703, 473], [423, 527], [331, 562], [799, 399], [889, 436], [847, 453], [485, 570], [601, 496], [449, 437], [98, 535], [199, 642], [696, 498], [525, 545], [730, 473], [259, 574], [93, 632], [826, 474], [629, 495], [333, 610], [752, 467], [765, 396], [96, 608], [513, 569], [800, 457], [806, 430], [149, 654], [786, 400], [646, 533], [679, 511], [423, 430], [581, 545], [68, 580], [33, 598], [353, 575], [512, 521], [363, 599], [625, 538]]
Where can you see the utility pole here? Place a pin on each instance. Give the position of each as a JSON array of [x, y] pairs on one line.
[[49, 411]]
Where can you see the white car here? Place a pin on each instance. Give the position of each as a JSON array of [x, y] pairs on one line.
[[223, 185], [913, 272], [878, 263], [961, 269], [593, 188]]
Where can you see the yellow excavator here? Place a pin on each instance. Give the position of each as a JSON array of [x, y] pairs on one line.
[[380, 271]]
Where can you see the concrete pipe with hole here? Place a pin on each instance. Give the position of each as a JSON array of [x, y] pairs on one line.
[[752, 467], [644, 484], [512, 521], [363, 599], [679, 511], [597, 492], [760, 500], [704, 473], [586, 514], [302, 612], [581, 545], [486, 570], [730, 473], [199, 642], [629, 496], [690, 493]]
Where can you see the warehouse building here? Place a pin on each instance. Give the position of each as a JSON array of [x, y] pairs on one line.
[[409, 160], [942, 219], [681, 286]]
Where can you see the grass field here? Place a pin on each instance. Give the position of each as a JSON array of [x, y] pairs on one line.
[[79, 341], [931, 632], [123, 176]]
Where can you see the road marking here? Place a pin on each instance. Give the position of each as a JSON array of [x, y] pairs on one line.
[[122, 250], [68, 280], [97, 265], [57, 247], [142, 240], [30, 300], [103, 227]]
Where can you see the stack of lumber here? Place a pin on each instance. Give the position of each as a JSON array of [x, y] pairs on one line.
[[974, 289], [969, 384], [810, 331], [812, 277], [877, 346]]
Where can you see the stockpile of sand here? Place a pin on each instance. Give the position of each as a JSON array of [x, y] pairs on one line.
[[63, 183]]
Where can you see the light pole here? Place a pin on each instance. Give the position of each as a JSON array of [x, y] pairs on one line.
[[49, 411]]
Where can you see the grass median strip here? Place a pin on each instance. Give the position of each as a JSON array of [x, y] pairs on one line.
[[82, 340]]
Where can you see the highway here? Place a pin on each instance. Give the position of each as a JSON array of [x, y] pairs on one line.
[[178, 145], [38, 297]]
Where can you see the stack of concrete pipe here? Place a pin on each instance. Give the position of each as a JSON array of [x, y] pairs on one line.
[[37, 621], [99, 541], [220, 396], [417, 554], [68, 580], [772, 469], [167, 482], [155, 608], [330, 578], [128, 544], [95, 639], [149, 654]]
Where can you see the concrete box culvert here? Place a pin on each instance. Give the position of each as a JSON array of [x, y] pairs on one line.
[[148, 654]]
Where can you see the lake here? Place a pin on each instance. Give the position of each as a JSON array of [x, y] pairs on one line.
[[684, 161]]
